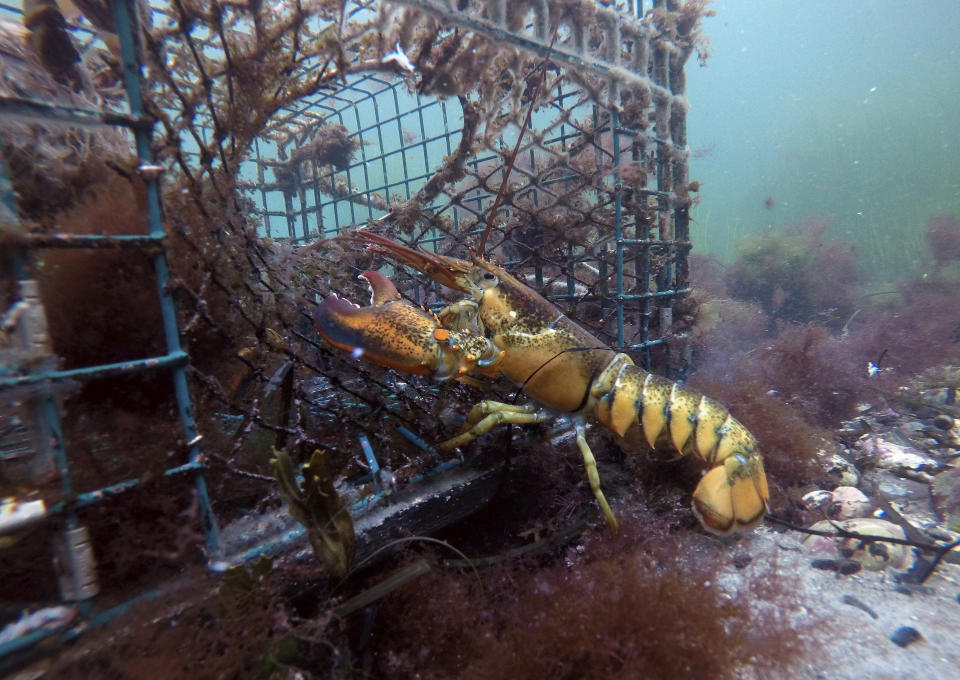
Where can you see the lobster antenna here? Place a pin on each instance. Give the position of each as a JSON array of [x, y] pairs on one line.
[[516, 148]]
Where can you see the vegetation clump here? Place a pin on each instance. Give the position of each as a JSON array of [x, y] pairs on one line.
[[943, 237], [636, 607], [798, 274]]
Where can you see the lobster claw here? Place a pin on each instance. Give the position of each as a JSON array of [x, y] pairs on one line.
[[398, 335], [391, 331], [450, 272]]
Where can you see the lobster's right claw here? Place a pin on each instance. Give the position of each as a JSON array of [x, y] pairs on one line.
[[391, 331], [399, 335], [733, 495]]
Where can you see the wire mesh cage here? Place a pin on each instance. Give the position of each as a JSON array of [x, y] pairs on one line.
[[178, 171], [597, 212]]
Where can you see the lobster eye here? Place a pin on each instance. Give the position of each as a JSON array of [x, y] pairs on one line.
[[488, 276]]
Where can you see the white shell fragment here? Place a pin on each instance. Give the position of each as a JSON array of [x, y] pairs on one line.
[[399, 57]]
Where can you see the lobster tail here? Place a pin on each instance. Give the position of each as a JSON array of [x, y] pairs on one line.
[[637, 404]]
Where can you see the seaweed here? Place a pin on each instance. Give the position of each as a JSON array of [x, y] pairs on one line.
[[645, 607], [798, 275], [943, 237]]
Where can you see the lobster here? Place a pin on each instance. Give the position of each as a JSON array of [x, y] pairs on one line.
[[504, 327]]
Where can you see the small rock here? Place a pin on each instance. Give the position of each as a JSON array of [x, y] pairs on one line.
[[887, 416], [951, 435], [912, 428], [848, 502], [817, 500], [902, 460], [851, 430], [888, 486], [841, 566], [946, 497], [943, 422], [905, 635], [919, 515], [842, 472], [940, 396]]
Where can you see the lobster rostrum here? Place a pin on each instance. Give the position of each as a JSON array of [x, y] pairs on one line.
[[504, 327]]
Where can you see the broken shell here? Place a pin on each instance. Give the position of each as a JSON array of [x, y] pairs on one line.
[[874, 555], [902, 460]]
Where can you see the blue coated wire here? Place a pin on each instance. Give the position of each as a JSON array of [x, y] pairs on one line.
[[131, 79]]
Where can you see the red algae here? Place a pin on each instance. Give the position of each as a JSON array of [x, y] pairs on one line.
[[612, 607], [798, 274], [943, 237]]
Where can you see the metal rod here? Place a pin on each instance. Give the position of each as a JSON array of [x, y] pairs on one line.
[[33, 110], [174, 359], [125, 21], [93, 240]]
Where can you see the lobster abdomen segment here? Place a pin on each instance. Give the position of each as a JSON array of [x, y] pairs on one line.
[[640, 405]]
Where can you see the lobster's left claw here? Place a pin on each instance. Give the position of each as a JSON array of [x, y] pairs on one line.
[[391, 331]]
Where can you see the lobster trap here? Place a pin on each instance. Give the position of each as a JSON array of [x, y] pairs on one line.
[[166, 239], [596, 214]]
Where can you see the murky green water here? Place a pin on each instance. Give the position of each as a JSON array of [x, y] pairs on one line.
[[846, 109]]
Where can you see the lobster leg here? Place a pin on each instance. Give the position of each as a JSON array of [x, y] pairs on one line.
[[590, 463], [488, 414]]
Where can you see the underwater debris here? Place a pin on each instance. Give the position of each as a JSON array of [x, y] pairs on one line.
[[51, 164], [400, 59], [330, 145], [317, 505], [52, 43]]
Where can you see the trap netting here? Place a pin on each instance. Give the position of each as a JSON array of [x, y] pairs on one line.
[[277, 126], [292, 127]]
